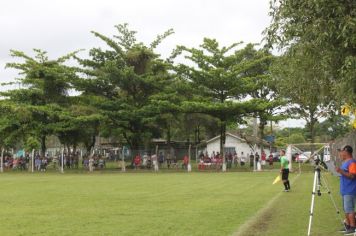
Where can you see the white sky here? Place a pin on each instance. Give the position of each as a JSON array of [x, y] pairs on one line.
[[62, 26]]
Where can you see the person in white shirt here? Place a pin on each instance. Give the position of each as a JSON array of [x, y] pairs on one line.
[[242, 159]]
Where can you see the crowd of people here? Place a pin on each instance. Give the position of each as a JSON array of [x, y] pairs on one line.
[[215, 160], [71, 160], [158, 161]]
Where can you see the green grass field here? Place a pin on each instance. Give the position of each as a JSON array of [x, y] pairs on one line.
[[240, 203]]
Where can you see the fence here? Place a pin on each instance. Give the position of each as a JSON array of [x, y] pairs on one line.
[[121, 159], [349, 139]]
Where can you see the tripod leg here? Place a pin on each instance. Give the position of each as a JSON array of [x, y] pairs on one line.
[[312, 203], [332, 198]]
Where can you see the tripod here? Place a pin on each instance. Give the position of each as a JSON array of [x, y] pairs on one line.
[[316, 190]]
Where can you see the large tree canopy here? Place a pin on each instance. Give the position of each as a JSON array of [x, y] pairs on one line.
[[325, 29], [220, 82], [123, 79], [41, 97]]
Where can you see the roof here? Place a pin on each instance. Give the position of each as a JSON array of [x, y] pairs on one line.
[[227, 134], [245, 138]]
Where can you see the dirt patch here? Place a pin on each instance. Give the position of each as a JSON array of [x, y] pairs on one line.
[[260, 223]]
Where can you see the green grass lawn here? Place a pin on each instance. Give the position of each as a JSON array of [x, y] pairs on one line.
[[161, 204]]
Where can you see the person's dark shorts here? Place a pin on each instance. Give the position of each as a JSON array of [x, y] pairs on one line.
[[285, 174]]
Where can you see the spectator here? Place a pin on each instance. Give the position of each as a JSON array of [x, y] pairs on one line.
[[27, 160], [91, 164], [137, 161], [67, 161], [149, 162], [160, 159], [175, 163], [235, 159], [242, 159], [43, 164], [185, 162], [229, 160], [86, 163], [257, 159], [55, 161], [169, 160], [263, 158], [38, 163], [252, 157], [270, 159], [101, 163], [201, 164], [154, 162], [144, 160]]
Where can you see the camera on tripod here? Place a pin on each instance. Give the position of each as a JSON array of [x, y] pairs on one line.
[[319, 163]]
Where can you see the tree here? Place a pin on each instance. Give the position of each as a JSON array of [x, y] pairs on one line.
[[217, 78], [325, 29], [124, 78], [263, 86], [306, 86], [43, 93]]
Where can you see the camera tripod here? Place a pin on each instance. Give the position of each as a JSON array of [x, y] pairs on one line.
[[317, 185]]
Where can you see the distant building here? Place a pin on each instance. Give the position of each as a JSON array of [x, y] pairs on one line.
[[235, 142]]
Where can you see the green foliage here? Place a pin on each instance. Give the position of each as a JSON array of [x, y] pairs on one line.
[[39, 104], [326, 29], [125, 80], [31, 144], [220, 77], [306, 86]]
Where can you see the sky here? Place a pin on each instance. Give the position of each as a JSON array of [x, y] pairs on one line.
[[63, 26]]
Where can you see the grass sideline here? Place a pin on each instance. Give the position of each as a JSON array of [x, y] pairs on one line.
[[160, 204]]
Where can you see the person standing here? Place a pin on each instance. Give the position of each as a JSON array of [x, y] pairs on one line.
[[154, 162], [252, 157], [242, 159], [347, 173], [270, 160], [91, 164], [285, 170], [263, 158], [185, 162]]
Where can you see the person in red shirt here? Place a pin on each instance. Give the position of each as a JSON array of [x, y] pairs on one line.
[[270, 159], [263, 158], [137, 161], [185, 162]]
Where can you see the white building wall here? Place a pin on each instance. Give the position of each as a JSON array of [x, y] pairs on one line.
[[213, 146], [239, 145]]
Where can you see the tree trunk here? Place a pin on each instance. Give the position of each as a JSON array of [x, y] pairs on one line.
[[43, 145], [312, 135], [222, 138], [312, 123], [169, 139], [262, 128]]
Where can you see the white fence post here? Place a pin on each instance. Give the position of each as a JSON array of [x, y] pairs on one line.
[[33, 161], [62, 161], [2, 161]]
